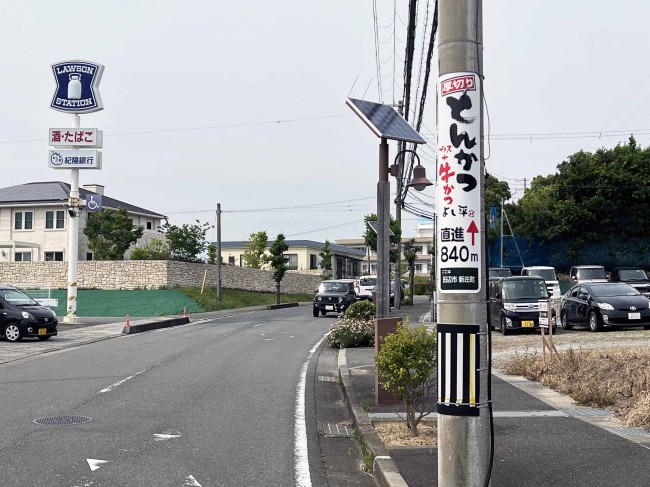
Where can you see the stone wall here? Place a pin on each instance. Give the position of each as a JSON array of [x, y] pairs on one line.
[[149, 274]]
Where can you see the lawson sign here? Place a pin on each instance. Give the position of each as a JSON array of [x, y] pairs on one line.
[[77, 85]]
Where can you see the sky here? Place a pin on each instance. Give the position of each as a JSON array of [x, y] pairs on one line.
[[243, 103]]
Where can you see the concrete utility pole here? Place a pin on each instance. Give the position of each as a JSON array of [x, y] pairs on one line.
[[463, 421], [74, 211], [398, 215], [383, 234], [219, 252]]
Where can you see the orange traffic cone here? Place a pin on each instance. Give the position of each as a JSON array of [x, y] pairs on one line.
[[128, 323], [184, 311]]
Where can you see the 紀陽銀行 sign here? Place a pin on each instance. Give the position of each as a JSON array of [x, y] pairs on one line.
[[75, 159]]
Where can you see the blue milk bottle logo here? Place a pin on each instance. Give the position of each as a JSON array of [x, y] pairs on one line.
[[77, 85]]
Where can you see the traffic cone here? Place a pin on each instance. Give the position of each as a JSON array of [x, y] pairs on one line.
[[128, 323], [184, 311]]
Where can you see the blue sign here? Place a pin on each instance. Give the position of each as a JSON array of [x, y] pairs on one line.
[[93, 202], [77, 87]]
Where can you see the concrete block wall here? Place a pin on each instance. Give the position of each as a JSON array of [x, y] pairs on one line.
[[150, 274]]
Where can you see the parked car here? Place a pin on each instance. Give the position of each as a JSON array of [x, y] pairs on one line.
[[334, 296], [634, 276], [22, 317], [548, 274], [514, 303], [365, 285], [499, 272], [587, 273], [599, 304], [392, 292]]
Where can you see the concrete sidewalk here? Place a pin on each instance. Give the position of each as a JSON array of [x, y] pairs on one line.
[[542, 438]]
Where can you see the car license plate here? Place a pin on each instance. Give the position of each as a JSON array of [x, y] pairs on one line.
[[42, 331], [634, 316], [528, 324], [329, 307]]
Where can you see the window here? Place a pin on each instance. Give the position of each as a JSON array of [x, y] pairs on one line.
[[149, 226], [54, 219], [418, 268], [292, 261], [313, 261], [23, 220], [53, 256], [231, 260], [23, 257], [89, 256]]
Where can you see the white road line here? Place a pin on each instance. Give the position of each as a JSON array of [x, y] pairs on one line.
[[113, 386], [300, 449], [95, 464], [190, 480]]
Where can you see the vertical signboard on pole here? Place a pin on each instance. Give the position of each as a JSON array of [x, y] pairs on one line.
[[458, 233]]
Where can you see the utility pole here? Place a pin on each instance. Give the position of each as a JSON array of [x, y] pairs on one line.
[[463, 414], [219, 252], [398, 215]]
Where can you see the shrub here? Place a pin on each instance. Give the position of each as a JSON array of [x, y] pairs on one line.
[[352, 332], [361, 310], [422, 288], [406, 363]]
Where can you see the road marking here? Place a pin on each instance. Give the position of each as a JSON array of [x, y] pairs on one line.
[[113, 386], [300, 448], [190, 480], [95, 464], [165, 436]]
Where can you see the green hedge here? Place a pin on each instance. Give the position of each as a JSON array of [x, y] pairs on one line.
[[422, 288]]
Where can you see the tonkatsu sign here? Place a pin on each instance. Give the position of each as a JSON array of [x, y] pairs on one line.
[[77, 87]]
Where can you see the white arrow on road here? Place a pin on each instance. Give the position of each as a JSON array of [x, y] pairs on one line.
[[95, 464], [190, 480], [166, 436]]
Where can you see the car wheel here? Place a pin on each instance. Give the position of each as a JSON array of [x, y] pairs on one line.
[[504, 329], [593, 321], [44, 338], [565, 322], [315, 312], [13, 333], [323, 312], [646, 327]]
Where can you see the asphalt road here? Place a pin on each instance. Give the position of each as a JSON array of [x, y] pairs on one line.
[[214, 403]]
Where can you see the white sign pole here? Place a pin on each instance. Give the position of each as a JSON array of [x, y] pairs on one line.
[[73, 238]]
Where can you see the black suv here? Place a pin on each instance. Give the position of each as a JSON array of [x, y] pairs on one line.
[[334, 296], [634, 276], [514, 303], [22, 317]]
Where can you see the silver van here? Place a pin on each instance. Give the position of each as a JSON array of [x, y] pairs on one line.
[[580, 274], [548, 274]]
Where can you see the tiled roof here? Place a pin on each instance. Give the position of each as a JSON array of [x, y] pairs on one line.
[[58, 192]]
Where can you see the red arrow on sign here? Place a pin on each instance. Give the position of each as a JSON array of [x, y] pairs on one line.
[[473, 229]]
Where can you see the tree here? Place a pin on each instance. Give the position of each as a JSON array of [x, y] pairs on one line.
[[370, 237], [326, 255], [187, 242], [411, 251], [157, 249], [212, 254], [406, 363], [110, 233], [254, 250], [278, 262]]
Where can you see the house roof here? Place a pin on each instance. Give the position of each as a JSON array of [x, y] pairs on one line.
[[310, 244], [59, 192]]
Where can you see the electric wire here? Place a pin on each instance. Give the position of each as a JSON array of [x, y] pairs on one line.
[[374, 14]]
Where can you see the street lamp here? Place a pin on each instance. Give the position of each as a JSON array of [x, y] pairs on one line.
[[419, 181]]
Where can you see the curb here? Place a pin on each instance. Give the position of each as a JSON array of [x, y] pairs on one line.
[[384, 471], [282, 306], [146, 325]]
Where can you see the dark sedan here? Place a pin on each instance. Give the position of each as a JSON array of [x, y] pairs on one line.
[[600, 304]]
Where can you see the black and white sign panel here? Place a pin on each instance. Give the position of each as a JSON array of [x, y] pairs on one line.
[[459, 227]]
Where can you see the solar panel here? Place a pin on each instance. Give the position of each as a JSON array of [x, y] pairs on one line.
[[384, 121], [374, 225]]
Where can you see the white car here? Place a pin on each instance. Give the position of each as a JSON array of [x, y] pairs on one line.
[[364, 286], [548, 274]]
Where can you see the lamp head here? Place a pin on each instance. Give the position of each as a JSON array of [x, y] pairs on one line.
[[419, 181]]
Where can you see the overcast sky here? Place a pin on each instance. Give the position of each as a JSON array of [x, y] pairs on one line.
[[243, 102]]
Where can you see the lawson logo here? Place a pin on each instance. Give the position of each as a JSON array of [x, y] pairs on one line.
[[77, 85]]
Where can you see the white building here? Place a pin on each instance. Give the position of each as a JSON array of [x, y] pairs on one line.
[[34, 221]]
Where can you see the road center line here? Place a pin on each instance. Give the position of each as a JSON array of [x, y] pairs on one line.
[[113, 386], [300, 449]]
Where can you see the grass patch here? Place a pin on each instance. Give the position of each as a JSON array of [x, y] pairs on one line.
[[235, 298], [618, 379]]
